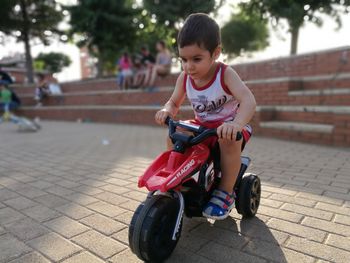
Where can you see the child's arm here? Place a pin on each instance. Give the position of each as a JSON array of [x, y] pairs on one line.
[[246, 101], [173, 104]]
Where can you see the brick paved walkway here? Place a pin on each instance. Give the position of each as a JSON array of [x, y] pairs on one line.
[[67, 194]]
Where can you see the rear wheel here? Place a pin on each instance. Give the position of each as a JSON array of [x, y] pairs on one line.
[[152, 228], [248, 198]]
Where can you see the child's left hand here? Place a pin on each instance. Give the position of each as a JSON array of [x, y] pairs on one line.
[[228, 130]]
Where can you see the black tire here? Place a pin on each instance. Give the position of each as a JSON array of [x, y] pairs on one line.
[[132, 225], [248, 198], [152, 234]]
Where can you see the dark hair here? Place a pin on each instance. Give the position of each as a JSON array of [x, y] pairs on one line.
[[162, 43], [199, 29], [41, 76]]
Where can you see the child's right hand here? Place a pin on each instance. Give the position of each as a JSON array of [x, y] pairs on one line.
[[161, 116]]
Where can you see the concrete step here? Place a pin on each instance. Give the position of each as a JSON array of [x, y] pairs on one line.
[[322, 92], [298, 126], [75, 86], [340, 80], [315, 124], [320, 97], [93, 85], [106, 97], [302, 113], [100, 113], [305, 108], [304, 132]]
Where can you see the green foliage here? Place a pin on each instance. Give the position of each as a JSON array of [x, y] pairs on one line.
[[30, 19], [53, 62], [244, 33], [151, 33], [33, 17], [169, 12], [297, 12], [105, 26], [39, 65]]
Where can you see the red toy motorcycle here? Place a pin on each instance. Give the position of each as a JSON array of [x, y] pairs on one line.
[[181, 181]]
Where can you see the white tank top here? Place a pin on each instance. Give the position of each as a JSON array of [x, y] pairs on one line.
[[213, 102]]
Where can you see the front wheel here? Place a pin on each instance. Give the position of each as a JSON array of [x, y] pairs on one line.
[[152, 229], [248, 196]]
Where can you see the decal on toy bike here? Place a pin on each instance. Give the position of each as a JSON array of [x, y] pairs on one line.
[[180, 182]]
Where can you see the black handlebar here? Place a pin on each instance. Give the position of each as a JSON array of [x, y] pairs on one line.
[[201, 133]]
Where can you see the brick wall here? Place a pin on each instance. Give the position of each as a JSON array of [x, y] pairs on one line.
[[310, 64]]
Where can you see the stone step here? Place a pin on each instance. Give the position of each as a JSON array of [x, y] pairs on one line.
[[309, 114], [92, 85], [323, 92], [320, 97], [304, 132], [298, 126], [331, 81], [143, 115], [106, 97], [305, 108], [325, 125]]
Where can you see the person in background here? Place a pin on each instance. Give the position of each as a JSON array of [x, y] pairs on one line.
[[8, 98], [5, 78], [146, 63], [42, 90], [162, 66], [125, 67]]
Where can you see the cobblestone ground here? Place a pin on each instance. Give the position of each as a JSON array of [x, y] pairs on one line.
[[67, 194]]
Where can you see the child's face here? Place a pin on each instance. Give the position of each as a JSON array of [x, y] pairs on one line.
[[196, 61]]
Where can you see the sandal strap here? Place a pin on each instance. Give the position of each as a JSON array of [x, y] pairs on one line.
[[219, 202], [222, 195]]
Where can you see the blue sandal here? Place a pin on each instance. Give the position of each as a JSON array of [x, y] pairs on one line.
[[219, 206]]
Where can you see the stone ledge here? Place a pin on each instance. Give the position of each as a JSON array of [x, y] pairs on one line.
[[305, 108], [340, 76], [103, 92], [325, 92], [100, 107], [297, 126]]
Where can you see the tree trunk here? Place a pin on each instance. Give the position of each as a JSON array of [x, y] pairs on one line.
[[25, 33], [99, 66], [29, 59], [294, 42]]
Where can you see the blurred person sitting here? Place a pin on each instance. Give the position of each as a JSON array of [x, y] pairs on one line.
[[54, 86], [162, 66], [42, 90], [5, 78], [147, 61], [125, 68]]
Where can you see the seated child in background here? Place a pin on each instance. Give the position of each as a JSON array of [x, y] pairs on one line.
[[125, 67], [42, 90], [219, 100], [146, 63]]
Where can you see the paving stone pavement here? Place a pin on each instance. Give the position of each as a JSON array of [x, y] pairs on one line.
[[68, 192]]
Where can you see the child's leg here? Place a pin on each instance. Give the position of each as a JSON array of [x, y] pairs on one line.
[[222, 200], [148, 73], [230, 154]]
